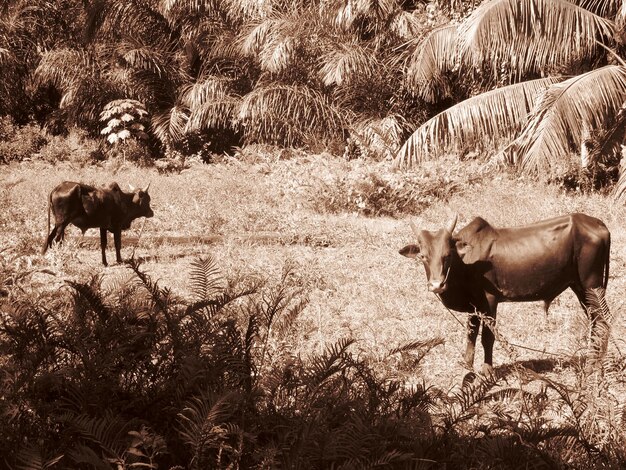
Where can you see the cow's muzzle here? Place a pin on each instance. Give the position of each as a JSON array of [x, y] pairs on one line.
[[437, 287]]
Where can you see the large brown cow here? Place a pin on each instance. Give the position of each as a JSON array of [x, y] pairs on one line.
[[86, 207], [481, 266]]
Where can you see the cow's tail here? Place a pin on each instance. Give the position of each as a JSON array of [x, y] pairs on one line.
[[606, 263], [46, 242]]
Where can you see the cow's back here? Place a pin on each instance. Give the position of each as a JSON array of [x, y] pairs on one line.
[[540, 260]]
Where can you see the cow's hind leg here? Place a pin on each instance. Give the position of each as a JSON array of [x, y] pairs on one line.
[[103, 245], [49, 239], [117, 237], [594, 304]]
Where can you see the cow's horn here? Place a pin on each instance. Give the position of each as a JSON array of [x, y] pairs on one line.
[[132, 188], [146, 190], [452, 223], [414, 228]]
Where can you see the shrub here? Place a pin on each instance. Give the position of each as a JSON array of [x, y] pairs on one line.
[[76, 147], [379, 190], [18, 143]]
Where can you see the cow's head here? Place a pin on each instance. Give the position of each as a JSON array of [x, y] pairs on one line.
[[141, 201], [436, 251]]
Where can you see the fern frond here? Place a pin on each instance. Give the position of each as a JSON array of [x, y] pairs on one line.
[[417, 345], [29, 458], [329, 363], [205, 278], [90, 297]]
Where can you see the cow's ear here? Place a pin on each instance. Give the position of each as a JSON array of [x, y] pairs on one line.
[[462, 248], [410, 251]]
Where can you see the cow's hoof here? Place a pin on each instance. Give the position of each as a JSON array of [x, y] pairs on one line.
[[468, 379], [487, 371]]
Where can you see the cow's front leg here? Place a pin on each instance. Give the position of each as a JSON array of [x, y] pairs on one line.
[[473, 323], [103, 245], [117, 236], [488, 336]]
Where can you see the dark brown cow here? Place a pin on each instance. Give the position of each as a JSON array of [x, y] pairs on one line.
[[482, 266], [107, 208]]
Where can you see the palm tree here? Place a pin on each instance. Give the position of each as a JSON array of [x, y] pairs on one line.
[[515, 43]]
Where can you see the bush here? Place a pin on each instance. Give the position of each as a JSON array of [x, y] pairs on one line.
[[379, 190], [19, 143], [76, 147]]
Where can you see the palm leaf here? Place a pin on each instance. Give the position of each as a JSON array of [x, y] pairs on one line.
[[531, 36], [346, 62], [210, 104], [405, 25], [288, 114], [486, 118], [169, 125], [564, 110], [430, 64], [351, 10], [382, 137], [605, 8], [272, 42], [66, 69]]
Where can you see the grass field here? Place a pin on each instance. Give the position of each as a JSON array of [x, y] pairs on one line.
[[266, 214]]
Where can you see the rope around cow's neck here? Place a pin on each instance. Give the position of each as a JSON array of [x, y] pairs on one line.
[[497, 334], [132, 256]]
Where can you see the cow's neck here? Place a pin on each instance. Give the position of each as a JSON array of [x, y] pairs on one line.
[[458, 296], [128, 213]]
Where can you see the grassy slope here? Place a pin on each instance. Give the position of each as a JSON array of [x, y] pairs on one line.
[[260, 217]]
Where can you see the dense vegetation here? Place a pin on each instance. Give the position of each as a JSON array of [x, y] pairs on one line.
[[541, 78], [130, 375]]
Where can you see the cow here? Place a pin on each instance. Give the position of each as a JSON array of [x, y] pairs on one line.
[[481, 266], [108, 208]]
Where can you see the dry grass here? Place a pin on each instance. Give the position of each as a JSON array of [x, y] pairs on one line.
[[260, 216]]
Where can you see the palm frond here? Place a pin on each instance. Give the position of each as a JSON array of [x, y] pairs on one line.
[[272, 42], [564, 110], [377, 10], [66, 69], [346, 62], [532, 36], [431, 63], [210, 104], [382, 137], [288, 114], [169, 125], [331, 362], [487, 118], [405, 25], [134, 17], [619, 193], [108, 433], [604, 8]]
